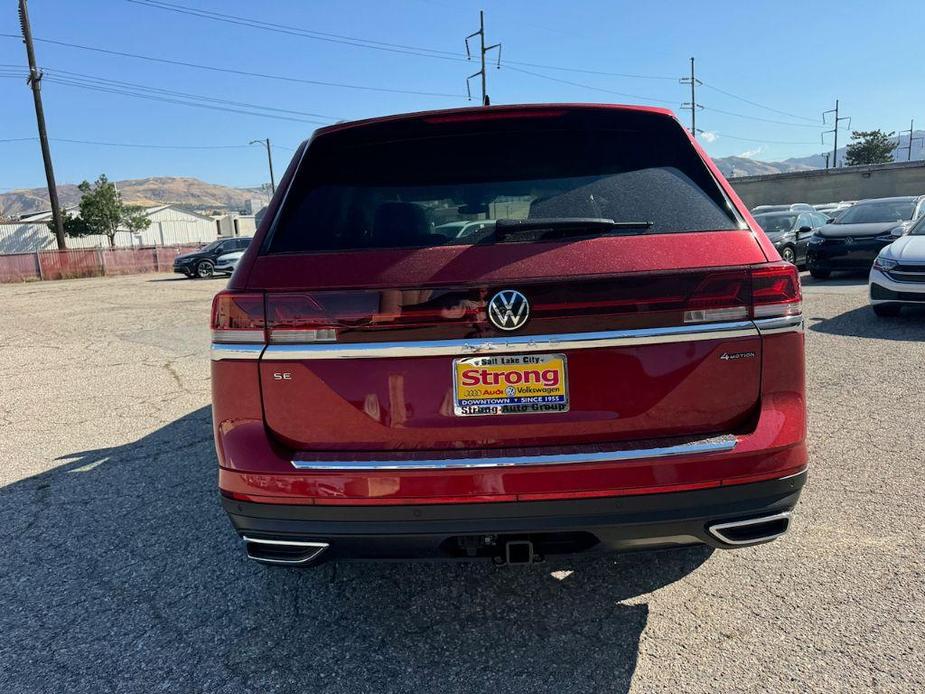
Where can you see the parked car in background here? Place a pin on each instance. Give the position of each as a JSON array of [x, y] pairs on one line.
[[897, 277], [462, 229], [795, 207], [855, 238], [615, 363], [790, 232], [834, 209], [226, 263], [201, 263]]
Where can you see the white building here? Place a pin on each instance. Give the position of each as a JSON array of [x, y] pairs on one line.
[[169, 226]]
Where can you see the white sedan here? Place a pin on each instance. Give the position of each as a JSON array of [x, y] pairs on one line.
[[226, 263], [898, 274]]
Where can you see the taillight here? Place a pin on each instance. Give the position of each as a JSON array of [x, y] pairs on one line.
[[238, 317], [776, 291], [720, 296]]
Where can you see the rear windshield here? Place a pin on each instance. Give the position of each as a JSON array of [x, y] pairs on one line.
[[873, 212], [776, 223], [420, 184]]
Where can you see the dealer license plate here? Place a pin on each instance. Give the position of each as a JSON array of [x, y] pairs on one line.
[[510, 384]]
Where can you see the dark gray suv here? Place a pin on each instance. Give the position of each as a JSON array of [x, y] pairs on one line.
[[201, 263]]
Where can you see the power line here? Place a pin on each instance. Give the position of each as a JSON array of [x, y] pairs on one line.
[[834, 131], [692, 105], [755, 103], [912, 139], [106, 81], [246, 73], [82, 81], [507, 66], [762, 120], [139, 145], [419, 51], [602, 73], [760, 141], [35, 84], [108, 85], [483, 50], [304, 33]]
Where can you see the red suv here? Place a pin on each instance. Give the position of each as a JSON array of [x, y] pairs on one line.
[[610, 357]]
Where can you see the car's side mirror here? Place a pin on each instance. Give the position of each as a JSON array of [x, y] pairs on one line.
[[806, 230]]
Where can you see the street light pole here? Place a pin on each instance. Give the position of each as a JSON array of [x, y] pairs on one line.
[[266, 143]]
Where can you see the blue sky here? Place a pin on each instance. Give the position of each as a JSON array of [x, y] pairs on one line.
[[792, 57]]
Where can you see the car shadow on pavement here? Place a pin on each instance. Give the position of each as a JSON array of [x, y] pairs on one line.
[[862, 322], [120, 572]]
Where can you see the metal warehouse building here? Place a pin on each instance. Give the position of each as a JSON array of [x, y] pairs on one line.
[[169, 226]]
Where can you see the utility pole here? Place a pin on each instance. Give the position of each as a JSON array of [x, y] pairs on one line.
[[266, 142], [692, 105], [35, 81], [911, 130], [826, 155], [483, 49], [834, 130]]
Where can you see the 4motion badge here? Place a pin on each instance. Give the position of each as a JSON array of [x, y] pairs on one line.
[[732, 356]]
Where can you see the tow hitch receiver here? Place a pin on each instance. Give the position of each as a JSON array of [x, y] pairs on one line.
[[518, 552]]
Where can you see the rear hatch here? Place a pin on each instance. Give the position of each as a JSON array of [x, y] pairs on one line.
[[605, 295]]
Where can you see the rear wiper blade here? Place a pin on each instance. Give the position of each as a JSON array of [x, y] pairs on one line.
[[565, 225]]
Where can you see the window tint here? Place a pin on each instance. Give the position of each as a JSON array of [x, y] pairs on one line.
[[776, 223], [873, 212], [419, 185], [243, 243]]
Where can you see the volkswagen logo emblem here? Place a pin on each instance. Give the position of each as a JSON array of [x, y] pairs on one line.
[[849, 241], [508, 309]]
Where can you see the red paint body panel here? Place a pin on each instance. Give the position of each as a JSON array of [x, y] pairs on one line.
[[617, 394]]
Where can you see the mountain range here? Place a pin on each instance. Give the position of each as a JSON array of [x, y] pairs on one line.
[[189, 193], [745, 166]]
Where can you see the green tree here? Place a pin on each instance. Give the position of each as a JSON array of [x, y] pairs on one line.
[[870, 147], [103, 212]]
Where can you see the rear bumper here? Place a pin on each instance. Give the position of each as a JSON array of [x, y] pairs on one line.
[[562, 526]]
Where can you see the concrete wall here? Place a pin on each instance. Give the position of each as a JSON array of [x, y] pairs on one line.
[[832, 185]]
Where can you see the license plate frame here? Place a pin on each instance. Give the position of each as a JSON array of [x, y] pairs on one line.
[[541, 388]]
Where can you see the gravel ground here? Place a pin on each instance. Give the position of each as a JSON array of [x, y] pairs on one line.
[[119, 571]]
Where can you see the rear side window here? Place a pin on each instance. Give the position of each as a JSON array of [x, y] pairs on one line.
[[423, 183]]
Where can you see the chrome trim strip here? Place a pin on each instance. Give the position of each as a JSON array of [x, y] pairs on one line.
[[781, 324], [715, 530], [513, 344], [716, 444], [221, 351], [318, 548]]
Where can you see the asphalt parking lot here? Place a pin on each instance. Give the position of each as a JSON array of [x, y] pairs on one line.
[[119, 571]]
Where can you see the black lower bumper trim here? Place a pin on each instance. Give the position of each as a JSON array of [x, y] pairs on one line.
[[560, 526], [881, 293]]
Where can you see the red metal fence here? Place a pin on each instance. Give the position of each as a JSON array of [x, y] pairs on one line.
[[87, 262]]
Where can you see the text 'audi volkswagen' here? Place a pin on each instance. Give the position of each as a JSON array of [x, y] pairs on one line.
[[612, 358]]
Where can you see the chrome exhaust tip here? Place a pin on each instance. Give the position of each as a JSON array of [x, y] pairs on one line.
[[291, 552], [751, 531]]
